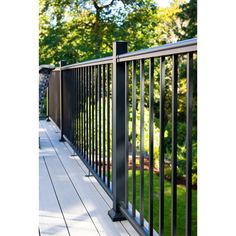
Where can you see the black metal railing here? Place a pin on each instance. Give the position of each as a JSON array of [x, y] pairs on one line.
[[98, 116]]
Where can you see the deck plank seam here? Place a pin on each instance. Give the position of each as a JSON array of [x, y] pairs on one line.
[[125, 229], [72, 182], [69, 148], [56, 196], [66, 145]]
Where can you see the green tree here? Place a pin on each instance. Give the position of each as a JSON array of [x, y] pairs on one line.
[[188, 18]]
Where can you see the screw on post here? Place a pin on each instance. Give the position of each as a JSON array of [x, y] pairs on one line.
[[118, 136]]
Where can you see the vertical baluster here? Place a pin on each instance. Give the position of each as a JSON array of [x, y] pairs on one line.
[[87, 115], [189, 144], [78, 89], [76, 109], [77, 100], [151, 98], [92, 77], [69, 93], [174, 143], [96, 118], [108, 125], [99, 118], [87, 112], [162, 130], [84, 111], [126, 132], [74, 114], [73, 109], [70, 108], [134, 138], [68, 100], [71, 89], [81, 111], [104, 123], [90, 139], [141, 142]]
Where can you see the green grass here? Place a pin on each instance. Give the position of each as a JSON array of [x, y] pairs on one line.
[[181, 202]]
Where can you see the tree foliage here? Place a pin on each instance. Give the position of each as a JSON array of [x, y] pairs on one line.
[[188, 18], [77, 30]]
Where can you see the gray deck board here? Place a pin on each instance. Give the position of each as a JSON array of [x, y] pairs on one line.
[[76, 205], [50, 216]]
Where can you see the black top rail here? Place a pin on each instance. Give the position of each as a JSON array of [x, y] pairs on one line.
[[189, 45], [95, 62], [185, 46]]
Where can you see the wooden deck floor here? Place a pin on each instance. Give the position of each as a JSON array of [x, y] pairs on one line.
[[71, 204]]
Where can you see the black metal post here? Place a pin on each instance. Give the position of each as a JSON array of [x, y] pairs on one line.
[[118, 132], [48, 101], [62, 63]]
